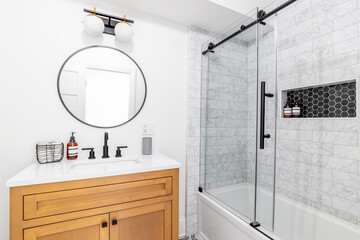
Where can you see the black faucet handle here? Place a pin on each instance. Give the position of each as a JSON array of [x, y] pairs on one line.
[[91, 153], [118, 151]]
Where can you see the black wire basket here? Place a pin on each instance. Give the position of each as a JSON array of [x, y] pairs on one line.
[[49, 152]]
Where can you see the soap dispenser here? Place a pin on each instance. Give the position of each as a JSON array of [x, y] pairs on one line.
[[287, 110], [72, 148], [296, 110]]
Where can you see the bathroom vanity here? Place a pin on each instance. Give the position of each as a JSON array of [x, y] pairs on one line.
[[134, 198]]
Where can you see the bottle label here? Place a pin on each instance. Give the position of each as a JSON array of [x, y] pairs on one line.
[[287, 111], [296, 111], [73, 151]]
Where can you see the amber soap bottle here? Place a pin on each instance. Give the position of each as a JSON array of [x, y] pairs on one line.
[[72, 148], [287, 110]]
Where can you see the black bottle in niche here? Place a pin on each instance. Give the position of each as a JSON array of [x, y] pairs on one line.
[[296, 110]]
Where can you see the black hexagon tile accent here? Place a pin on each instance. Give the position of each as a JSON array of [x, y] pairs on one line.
[[335, 100]]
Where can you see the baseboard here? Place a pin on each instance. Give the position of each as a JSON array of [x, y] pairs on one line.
[[182, 228], [202, 236]]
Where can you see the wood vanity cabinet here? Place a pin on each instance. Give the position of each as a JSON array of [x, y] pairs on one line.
[[127, 207]]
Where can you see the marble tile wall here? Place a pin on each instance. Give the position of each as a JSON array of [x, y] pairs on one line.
[[318, 159]]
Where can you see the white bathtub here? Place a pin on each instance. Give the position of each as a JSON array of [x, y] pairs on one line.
[[293, 220]]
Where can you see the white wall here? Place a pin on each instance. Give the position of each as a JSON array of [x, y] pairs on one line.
[[37, 39]]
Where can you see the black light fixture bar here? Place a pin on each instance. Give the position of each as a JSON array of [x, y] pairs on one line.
[[109, 20], [108, 16], [260, 18]]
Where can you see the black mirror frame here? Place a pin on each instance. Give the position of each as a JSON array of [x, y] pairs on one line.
[[100, 46]]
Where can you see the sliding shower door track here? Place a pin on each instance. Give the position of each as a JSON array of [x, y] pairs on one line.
[[256, 226], [262, 15]]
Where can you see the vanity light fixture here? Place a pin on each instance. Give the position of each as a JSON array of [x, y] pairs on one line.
[[113, 25]]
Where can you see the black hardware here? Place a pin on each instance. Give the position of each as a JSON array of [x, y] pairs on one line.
[[262, 115], [260, 20], [255, 225], [200, 189], [109, 21], [104, 225], [114, 222], [261, 14], [210, 47], [91, 153], [107, 47], [118, 151], [106, 147]]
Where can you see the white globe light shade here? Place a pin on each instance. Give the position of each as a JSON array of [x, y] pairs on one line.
[[123, 32], [93, 25]]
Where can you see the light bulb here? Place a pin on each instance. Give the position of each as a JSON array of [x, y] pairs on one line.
[[124, 32], [93, 25]]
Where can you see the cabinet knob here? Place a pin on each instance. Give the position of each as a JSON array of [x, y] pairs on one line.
[[114, 222], [104, 225]]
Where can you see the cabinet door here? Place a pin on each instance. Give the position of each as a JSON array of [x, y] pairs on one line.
[[151, 222], [90, 228]]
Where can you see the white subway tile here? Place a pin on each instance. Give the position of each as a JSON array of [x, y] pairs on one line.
[[348, 179], [345, 33], [341, 138], [347, 72], [348, 46], [345, 7], [344, 192], [346, 205], [346, 20], [343, 164], [295, 135], [317, 148], [346, 152], [347, 125], [314, 124]]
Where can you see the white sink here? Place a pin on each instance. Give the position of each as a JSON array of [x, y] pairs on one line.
[[110, 164]]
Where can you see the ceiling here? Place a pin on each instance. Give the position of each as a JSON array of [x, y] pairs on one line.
[[219, 16], [200, 13], [243, 6]]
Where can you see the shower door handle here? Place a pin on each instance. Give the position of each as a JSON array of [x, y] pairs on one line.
[[262, 115]]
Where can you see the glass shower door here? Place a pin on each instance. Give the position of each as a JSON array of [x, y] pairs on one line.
[[267, 87], [229, 120], [238, 119]]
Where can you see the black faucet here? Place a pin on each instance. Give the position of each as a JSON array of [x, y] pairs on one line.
[[105, 147]]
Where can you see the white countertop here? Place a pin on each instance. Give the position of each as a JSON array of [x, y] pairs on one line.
[[69, 170]]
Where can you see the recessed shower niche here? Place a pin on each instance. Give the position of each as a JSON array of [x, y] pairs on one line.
[[333, 100]]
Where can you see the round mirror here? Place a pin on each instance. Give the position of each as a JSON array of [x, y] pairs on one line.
[[102, 86]]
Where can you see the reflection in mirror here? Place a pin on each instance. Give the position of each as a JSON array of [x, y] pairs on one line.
[[102, 86]]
